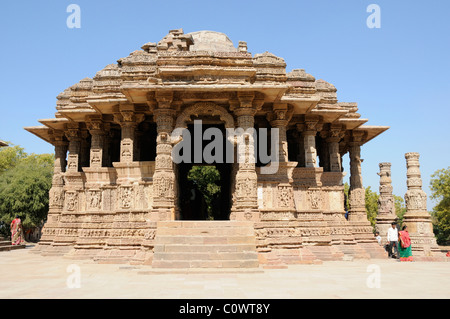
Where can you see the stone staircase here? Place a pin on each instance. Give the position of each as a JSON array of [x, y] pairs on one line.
[[205, 244], [5, 245]]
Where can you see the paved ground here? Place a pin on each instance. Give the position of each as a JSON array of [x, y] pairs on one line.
[[27, 275]]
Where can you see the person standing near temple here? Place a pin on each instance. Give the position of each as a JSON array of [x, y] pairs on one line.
[[404, 245], [16, 231], [392, 238]]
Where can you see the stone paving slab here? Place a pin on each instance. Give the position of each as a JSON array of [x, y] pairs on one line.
[[27, 275]]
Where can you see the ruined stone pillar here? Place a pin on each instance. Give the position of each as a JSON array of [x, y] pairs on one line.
[[417, 218], [245, 204], [164, 183], [386, 208]]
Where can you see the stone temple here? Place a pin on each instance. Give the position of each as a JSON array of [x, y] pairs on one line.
[[118, 197]]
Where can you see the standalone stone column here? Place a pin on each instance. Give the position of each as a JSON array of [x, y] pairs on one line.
[[386, 208], [417, 218]]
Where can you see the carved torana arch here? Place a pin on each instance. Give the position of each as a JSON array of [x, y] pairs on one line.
[[204, 108]]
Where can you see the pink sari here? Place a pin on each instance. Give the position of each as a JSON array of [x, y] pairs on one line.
[[16, 232]]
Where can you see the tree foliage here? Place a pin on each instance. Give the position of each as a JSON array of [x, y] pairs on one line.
[[24, 185], [440, 188], [10, 157], [371, 206], [205, 179]]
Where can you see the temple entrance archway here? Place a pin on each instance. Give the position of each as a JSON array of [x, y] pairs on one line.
[[194, 200]]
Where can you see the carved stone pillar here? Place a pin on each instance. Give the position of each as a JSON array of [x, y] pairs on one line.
[[386, 208], [309, 140], [279, 119], [362, 228], [164, 182], [73, 160], [417, 217], [97, 143], [245, 204], [333, 149], [128, 121], [56, 194]]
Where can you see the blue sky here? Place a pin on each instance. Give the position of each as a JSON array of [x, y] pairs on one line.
[[398, 74]]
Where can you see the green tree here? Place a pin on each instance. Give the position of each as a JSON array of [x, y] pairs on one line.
[[440, 188], [10, 157], [400, 208], [371, 206], [205, 179], [24, 187]]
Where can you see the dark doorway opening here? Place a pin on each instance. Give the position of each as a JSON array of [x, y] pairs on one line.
[[195, 203], [195, 199]]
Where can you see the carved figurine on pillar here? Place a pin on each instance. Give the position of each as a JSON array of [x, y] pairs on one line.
[[417, 218]]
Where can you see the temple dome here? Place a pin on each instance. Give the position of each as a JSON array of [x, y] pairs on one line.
[[211, 41]]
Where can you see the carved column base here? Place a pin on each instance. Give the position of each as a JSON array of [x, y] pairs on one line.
[[420, 228], [383, 224], [245, 214]]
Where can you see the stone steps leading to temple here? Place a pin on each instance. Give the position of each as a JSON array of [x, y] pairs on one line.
[[205, 244]]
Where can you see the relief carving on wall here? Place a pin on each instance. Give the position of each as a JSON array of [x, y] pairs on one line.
[[71, 200]]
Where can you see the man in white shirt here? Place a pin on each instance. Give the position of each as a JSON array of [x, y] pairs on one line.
[[392, 238]]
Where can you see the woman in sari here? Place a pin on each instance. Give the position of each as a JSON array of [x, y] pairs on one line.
[[16, 231], [404, 245]]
